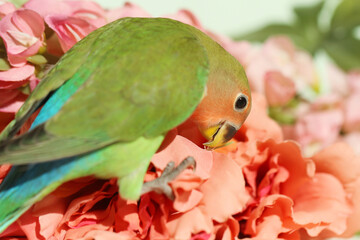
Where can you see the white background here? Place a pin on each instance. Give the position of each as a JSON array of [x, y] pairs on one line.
[[229, 17]]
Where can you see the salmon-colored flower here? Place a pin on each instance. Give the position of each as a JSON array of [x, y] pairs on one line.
[[340, 161], [22, 32]]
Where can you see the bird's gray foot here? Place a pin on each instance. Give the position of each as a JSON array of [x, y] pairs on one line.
[[160, 184]]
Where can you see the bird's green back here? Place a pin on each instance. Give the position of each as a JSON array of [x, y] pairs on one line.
[[141, 77]]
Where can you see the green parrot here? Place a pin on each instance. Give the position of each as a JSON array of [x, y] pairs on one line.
[[110, 100]]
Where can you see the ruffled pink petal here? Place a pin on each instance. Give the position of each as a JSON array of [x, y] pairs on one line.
[[96, 234], [290, 157], [183, 225], [340, 160], [89, 11], [128, 10], [14, 105], [276, 207], [49, 220], [224, 192], [69, 30], [16, 77], [321, 204], [22, 32], [227, 230], [48, 7]]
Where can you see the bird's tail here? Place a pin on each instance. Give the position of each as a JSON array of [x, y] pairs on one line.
[[25, 185]]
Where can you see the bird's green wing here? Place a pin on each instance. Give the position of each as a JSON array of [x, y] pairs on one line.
[[144, 77], [60, 73]]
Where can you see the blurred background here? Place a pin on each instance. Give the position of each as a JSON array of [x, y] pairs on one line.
[[229, 17]]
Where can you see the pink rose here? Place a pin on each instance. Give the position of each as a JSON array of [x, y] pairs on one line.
[[22, 32]]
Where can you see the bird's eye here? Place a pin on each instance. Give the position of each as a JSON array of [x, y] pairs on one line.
[[241, 102]]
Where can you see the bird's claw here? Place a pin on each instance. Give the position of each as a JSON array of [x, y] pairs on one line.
[[160, 184]]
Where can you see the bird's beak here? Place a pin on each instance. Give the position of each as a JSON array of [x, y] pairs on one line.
[[219, 134]]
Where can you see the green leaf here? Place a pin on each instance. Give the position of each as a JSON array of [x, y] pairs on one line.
[[309, 14], [4, 65], [18, 3], [267, 31], [346, 52], [281, 116], [346, 16], [37, 59]]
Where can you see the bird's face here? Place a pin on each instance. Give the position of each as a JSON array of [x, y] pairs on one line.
[[222, 111]]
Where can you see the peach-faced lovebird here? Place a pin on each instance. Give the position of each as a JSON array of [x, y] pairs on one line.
[[110, 100]]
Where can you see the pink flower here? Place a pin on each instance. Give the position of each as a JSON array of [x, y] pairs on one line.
[[187, 17], [337, 81], [318, 126], [128, 10], [279, 54], [340, 161], [353, 140], [89, 11], [6, 8], [354, 81], [12, 98], [352, 113], [71, 20], [16, 77], [22, 32], [69, 30], [279, 90]]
